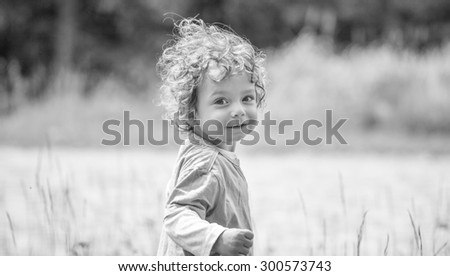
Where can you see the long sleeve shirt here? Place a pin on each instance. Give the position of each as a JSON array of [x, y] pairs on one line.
[[206, 195]]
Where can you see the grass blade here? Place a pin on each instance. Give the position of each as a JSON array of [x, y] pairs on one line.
[[416, 235], [387, 246], [305, 214], [420, 241], [360, 234], [11, 228], [342, 192], [440, 249]]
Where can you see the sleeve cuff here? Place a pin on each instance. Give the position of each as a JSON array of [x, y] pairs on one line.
[[211, 238]]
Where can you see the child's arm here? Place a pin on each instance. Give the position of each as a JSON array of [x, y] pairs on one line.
[[234, 242], [196, 193]]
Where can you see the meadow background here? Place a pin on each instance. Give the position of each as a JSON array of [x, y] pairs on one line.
[[385, 193]]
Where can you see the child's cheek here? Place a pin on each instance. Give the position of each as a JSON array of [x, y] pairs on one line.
[[252, 114]]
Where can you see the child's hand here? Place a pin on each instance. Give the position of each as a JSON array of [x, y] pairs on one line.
[[234, 242]]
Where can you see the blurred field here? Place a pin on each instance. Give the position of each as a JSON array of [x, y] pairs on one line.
[[109, 202], [380, 89], [77, 198]]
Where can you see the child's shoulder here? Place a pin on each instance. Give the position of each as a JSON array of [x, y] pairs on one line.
[[197, 157]]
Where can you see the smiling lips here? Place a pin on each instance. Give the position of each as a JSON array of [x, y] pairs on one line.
[[237, 126]]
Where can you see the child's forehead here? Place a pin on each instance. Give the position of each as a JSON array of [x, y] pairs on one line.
[[233, 83]]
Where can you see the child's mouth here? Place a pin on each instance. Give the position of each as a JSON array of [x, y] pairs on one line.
[[237, 126]]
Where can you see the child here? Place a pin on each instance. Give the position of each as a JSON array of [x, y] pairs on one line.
[[213, 83]]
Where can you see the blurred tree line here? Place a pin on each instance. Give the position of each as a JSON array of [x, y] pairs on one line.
[[41, 39]]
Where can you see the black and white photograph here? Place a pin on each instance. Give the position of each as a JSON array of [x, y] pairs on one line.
[[225, 128]]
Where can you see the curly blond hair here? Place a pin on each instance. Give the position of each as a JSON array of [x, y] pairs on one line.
[[198, 47]]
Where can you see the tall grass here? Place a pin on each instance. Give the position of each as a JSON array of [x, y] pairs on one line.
[[386, 248], [360, 234], [91, 202], [414, 239], [417, 235], [63, 210], [11, 228]]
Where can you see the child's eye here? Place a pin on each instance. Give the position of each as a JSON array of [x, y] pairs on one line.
[[248, 99], [220, 101]]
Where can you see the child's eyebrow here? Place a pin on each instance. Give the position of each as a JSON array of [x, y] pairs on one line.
[[250, 90], [220, 92]]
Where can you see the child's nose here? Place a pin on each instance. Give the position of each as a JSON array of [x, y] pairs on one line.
[[237, 111]]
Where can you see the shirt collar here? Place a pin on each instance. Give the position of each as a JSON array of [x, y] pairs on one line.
[[197, 140]]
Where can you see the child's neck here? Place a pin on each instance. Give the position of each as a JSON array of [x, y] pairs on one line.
[[224, 146], [216, 142]]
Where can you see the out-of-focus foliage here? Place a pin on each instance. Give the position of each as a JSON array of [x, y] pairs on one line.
[[109, 33], [41, 40]]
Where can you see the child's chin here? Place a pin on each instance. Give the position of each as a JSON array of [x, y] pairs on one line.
[[231, 140], [238, 137]]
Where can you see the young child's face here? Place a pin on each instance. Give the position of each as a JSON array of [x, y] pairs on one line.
[[229, 104]]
